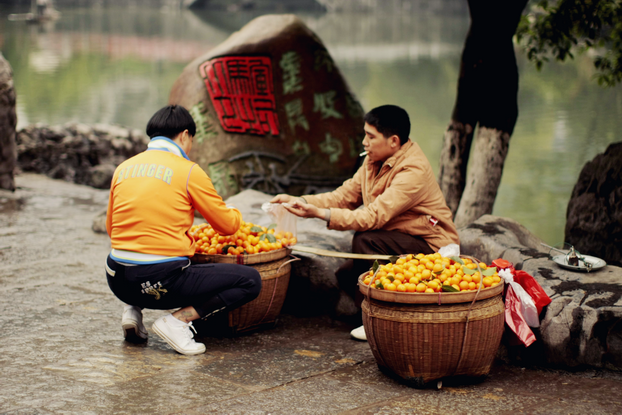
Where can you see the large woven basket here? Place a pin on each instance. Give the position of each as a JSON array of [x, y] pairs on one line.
[[422, 337], [421, 343], [263, 311]]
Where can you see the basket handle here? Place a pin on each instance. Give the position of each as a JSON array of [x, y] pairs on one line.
[[294, 258], [466, 326]]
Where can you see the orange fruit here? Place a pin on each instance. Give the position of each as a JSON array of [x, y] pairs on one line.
[[401, 288], [487, 281], [464, 285], [421, 287]]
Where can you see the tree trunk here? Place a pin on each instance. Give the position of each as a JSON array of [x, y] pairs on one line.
[[8, 120], [487, 96], [491, 148], [454, 158]]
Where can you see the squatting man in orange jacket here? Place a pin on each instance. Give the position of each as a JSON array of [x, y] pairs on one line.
[[153, 196], [403, 210]]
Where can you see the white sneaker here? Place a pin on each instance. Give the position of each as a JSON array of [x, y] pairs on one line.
[[132, 323], [359, 334], [178, 335]]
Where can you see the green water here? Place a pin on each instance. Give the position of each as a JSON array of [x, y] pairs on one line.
[[112, 65]]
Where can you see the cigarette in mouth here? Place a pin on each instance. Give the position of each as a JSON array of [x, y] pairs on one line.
[[363, 154]]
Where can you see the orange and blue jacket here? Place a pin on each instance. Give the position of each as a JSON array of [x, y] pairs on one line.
[[153, 197]]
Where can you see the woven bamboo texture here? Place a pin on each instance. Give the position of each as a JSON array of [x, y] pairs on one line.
[[420, 343], [264, 309], [259, 258]]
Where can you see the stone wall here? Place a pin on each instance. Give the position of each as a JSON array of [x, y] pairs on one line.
[[78, 153]]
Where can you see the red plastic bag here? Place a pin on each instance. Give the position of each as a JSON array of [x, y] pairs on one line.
[[501, 263], [529, 283], [514, 318]]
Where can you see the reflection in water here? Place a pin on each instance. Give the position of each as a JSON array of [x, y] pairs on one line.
[[117, 65]]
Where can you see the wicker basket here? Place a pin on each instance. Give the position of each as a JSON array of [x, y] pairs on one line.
[[421, 337], [263, 311]]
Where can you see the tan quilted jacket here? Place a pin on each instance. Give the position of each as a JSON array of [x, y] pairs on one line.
[[402, 196]]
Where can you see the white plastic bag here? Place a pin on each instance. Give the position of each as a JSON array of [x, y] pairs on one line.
[[527, 305], [451, 250], [285, 221]]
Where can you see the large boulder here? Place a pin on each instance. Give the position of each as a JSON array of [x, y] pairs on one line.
[[273, 111], [581, 327], [594, 215], [8, 120]]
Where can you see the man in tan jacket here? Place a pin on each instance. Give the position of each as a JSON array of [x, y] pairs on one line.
[[403, 209]]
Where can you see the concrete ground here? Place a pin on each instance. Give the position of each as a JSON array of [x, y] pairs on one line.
[[62, 350]]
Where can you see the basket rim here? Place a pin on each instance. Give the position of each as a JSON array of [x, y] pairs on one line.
[[244, 259], [427, 298]]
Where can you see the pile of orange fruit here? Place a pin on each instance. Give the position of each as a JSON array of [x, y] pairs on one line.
[[431, 273], [249, 239]]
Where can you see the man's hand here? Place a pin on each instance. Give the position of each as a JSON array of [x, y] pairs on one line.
[[304, 210], [283, 198]]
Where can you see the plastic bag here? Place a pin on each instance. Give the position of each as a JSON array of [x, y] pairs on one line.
[[527, 306], [285, 221], [531, 286], [451, 250], [514, 318]]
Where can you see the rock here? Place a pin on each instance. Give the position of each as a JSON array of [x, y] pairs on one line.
[[99, 223], [273, 111], [582, 325], [8, 121], [594, 215], [491, 237], [101, 176]]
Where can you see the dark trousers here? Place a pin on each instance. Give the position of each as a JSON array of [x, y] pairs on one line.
[[169, 285], [378, 242]]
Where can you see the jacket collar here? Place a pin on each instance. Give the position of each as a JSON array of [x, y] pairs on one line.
[[166, 144], [393, 159]]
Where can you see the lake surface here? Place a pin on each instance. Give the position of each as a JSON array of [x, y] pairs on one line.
[[117, 65]]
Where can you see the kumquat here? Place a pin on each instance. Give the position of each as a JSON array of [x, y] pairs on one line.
[[249, 239], [431, 273]]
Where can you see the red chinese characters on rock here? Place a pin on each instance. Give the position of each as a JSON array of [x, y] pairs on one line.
[[242, 93]]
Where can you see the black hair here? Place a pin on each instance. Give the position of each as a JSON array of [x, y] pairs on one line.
[[390, 120], [170, 121]]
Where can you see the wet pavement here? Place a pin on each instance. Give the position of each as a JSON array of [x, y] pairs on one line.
[[62, 350]]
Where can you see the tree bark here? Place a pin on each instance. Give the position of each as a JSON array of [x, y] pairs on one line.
[[491, 148], [487, 96], [8, 121]]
